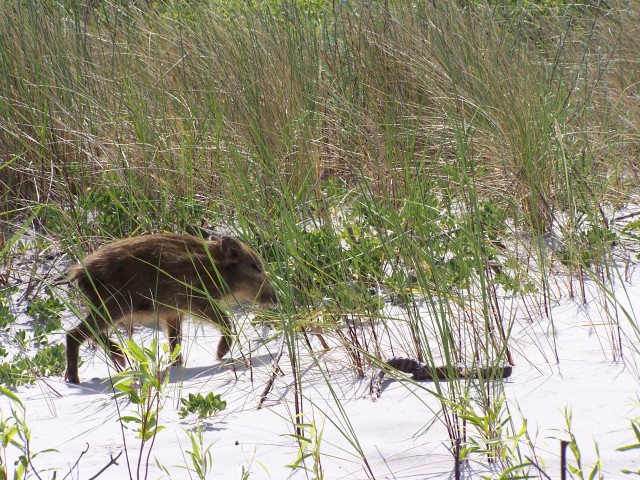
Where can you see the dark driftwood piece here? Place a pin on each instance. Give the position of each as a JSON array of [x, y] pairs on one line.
[[420, 371]]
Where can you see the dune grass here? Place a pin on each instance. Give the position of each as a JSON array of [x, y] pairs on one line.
[[437, 154]]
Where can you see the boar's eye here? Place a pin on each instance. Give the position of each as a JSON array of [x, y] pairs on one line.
[[257, 267]]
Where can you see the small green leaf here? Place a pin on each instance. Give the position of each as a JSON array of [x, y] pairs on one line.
[[130, 419], [8, 393]]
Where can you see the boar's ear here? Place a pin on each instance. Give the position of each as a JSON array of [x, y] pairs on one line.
[[230, 248], [200, 232]]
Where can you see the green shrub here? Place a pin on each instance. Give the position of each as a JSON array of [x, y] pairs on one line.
[[202, 406]]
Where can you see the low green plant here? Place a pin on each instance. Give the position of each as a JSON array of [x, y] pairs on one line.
[[635, 426], [493, 219], [46, 313], [576, 467], [50, 360], [14, 432], [487, 433], [514, 283], [144, 386], [202, 406], [586, 245], [24, 367], [19, 365], [112, 209], [6, 317], [309, 438], [632, 231], [200, 455]]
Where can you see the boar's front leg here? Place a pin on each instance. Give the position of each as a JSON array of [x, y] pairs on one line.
[[216, 315], [224, 322], [173, 328]]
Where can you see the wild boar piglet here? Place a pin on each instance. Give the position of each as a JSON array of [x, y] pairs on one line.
[[162, 278]]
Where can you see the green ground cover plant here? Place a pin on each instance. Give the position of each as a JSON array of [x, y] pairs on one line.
[[15, 433], [204, 406], [27, 356]]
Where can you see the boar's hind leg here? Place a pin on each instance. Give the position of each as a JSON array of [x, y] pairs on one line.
[[88, 329], [76, 337]]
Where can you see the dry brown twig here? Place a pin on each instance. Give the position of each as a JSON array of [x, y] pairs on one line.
[[275, 371]]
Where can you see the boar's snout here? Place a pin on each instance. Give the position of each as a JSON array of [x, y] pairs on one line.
[[267, 295]]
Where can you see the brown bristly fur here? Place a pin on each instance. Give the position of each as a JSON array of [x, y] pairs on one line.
[[162, 278]]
